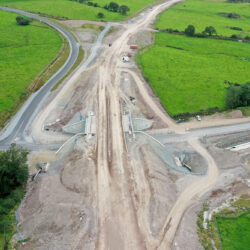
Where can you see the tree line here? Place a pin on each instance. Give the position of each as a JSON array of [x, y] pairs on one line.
[[239, 1], [209, 31], [13, 177], [238, 95], [112, 6]]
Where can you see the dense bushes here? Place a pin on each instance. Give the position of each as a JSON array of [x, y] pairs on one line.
[[187, 115], [124, 9], [233, 15], [100, 15], [6, 205], [13, 175], [236, 28], [13, 170], [90, 3], [112, 6], [230, 15], [190, 30], [239, 1], [22, 21], [238, 95], [209, 31], [7, 218]]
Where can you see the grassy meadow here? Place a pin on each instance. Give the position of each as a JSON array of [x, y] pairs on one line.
[[24, 52], [188, 73], [234, 232], [228, 229], [201, 13], [75, 10]]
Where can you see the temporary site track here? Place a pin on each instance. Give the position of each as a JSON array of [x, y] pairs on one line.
[[113, 173]]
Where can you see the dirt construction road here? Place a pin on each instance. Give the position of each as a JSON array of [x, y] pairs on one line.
[[198, 188], [118, 226]]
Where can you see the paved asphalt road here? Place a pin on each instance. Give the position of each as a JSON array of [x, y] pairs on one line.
[[162, 137], [20, 123], [202, 132]]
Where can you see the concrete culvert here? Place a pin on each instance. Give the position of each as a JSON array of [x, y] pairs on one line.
[[182, 158]]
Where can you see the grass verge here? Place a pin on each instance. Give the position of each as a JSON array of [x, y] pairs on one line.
[[245, 111], [29, 57], [93, 27], [8, 207], [228, 229], [76, 64], [53, 67]]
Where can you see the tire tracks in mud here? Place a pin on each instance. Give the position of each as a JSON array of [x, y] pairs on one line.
[[198, 188]]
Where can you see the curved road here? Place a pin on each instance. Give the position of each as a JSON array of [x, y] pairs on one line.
[[19, 124]]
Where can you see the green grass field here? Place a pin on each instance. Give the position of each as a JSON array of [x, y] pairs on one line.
[[187, 73], [202, 13], [235, 232], [228, 229], [75, 10], [24, 52], [8, 207], [191, 76]]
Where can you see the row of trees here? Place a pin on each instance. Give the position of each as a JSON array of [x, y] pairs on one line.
[[112, 6], [208, 31], [239, 1], [86, 2], [238, 95]]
